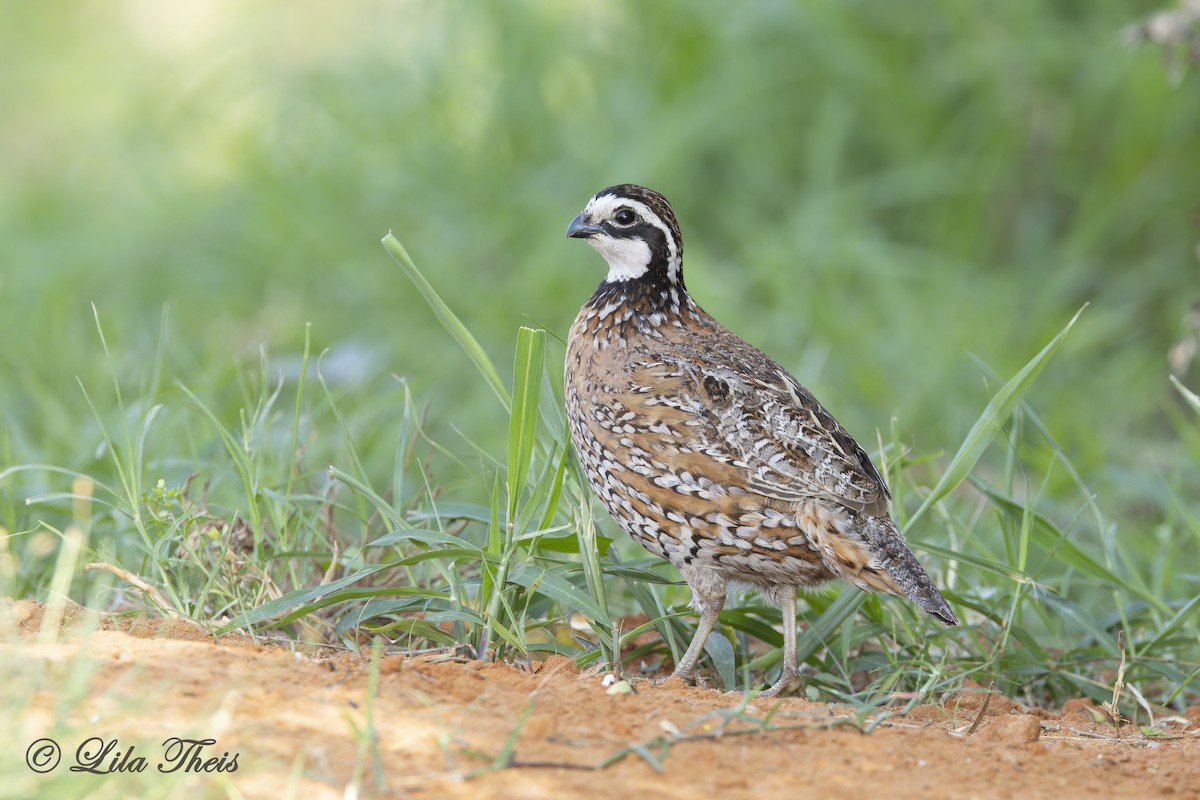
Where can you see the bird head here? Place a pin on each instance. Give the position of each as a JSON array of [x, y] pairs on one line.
[[636, 231]]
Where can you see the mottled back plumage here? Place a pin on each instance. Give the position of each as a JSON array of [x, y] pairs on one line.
[[706, 450]]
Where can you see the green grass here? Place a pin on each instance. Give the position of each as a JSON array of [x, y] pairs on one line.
[[263, 419], [337, 558]]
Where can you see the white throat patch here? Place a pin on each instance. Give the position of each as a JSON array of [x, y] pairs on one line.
[[628, 258]]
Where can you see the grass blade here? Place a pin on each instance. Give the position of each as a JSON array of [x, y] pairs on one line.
[[1173, 625], [302, 596], [384, 508], [424, 537], [449, 320], [989, 423], [523, 417], [1047, 535], [557, 588], [1192, 398], [814, 637]]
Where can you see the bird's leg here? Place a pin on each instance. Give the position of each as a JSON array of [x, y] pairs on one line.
[[789, 677], [708, 597], [686, 668]]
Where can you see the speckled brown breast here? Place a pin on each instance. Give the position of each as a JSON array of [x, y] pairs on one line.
[[646, 427]]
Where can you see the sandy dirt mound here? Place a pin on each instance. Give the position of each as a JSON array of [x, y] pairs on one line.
[[297, 724]]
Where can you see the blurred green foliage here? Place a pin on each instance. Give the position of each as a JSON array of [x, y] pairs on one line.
[[871, 192]]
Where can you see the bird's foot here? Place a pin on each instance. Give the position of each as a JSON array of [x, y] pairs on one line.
[[789, 683], [692, 678]]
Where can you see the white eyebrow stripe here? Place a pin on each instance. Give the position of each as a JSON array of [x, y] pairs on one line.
[[604, 206]]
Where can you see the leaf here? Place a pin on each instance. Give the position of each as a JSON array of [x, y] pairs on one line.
[[815, 635], [740, 620], [506, 634], [1188, 394], [347, 595], [638, 574], [382, 506], [450, 322], [989, 423], [556, 544], [381, 607], [547, 493], [416, 626], [523, 417], [1155, 733], [1174, 624], [1048, 536], [4, 473], [424, 537], [451, 554], [448, 511], [1066, 609], [979, 562], [557, 588], [456, 615], [721, 652], [555, 494], [298, 597], [553, 409], [652, 607], [38, 499]]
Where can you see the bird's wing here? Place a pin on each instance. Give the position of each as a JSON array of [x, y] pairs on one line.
[[757, 417], [793, 448]]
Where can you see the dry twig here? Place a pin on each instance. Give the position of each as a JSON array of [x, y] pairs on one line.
[[148, 589]]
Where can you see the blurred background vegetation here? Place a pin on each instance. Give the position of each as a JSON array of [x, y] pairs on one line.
[[882, 196]]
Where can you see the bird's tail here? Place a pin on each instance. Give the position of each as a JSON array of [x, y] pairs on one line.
[[900, 572]]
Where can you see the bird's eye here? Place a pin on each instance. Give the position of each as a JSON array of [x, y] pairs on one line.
[[625, 216]]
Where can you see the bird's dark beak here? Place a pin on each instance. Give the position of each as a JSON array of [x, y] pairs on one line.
[[581, 228]]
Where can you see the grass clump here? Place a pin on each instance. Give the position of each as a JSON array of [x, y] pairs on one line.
[[244, 532]]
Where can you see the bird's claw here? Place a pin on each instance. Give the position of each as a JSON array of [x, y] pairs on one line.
[[789, 683], [692, 679]]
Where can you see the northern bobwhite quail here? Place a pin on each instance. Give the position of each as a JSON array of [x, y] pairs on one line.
[[706, 451]]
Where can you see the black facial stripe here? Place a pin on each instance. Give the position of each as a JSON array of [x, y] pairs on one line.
[[652, 235], [660, 253], [657, 204]]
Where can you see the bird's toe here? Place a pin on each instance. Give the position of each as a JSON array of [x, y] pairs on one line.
[[789, 683]]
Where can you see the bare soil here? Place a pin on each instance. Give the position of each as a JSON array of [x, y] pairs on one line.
[[444, 728]]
